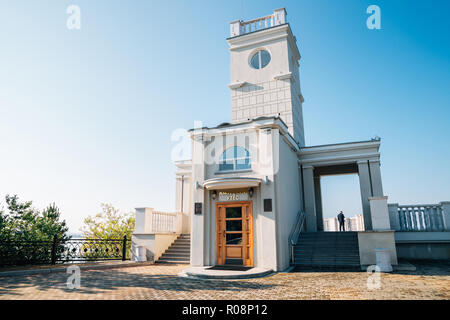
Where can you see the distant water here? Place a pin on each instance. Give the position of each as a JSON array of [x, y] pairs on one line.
[[75, 235]]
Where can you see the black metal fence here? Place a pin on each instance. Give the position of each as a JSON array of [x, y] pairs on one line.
[[61, 251]]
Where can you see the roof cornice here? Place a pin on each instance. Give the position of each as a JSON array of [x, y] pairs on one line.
[[270, 34]]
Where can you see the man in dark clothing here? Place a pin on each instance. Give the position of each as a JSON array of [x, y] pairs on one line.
[[341, 219]]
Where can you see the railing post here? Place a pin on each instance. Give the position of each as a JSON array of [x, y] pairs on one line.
[[124, 248], [445, 209], [235, 28], [280, 16], [394, 216], [54, 245]]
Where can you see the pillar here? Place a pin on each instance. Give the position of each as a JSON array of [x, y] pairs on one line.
[[310, 202], [318, 199], [366, 192], [198, 220], [375, 176]]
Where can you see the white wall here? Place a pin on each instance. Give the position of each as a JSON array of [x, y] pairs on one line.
[[263, 94], [289, 200], [265, 163]]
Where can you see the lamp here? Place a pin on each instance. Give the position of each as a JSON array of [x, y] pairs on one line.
[[214, 194], [250, 192]]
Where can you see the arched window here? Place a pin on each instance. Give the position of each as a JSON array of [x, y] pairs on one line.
[[235, 158]]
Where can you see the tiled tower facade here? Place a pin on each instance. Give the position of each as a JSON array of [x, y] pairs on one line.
[[265, 72]]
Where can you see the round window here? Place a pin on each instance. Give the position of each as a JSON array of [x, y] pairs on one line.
[[260, 59]]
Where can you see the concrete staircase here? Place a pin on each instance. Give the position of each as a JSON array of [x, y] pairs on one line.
[[327, 250], [178, 252]]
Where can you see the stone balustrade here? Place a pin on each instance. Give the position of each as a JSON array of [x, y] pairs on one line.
[[240, 27], [420, 217], [151, 221], [155, 231]]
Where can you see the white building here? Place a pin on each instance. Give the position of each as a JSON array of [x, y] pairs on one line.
[[252, 185]]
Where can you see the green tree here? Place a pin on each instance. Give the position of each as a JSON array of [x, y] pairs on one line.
[[26, 234], [108, 224], [22, 221]]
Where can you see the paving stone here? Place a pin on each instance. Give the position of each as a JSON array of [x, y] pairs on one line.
[[160, 281]]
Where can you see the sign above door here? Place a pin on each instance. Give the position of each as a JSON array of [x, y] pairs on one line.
[[233, 196]]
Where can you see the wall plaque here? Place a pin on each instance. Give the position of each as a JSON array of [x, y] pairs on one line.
[[267, 205], [233, 196], [198, 208]]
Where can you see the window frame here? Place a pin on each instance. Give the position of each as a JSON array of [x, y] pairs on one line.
[[234, 160], [258, 53]]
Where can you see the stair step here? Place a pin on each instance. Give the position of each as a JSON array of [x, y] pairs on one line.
[[178, 252], [173, 261], [175, 250], [327, 250], [175, 255], [173, 258]]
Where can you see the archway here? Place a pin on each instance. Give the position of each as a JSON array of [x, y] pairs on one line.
[[341, 193]]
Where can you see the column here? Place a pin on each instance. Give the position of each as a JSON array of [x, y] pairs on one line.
[[310, 202], [198, 220], [318, 198], [366, 192], [375, 176], [179, 193]]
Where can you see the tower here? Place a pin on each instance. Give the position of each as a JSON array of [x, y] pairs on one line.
[[265, 81]]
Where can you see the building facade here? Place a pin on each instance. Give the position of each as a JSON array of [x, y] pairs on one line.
[[252, 186]]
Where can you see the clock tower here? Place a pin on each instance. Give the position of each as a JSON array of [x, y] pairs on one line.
[[265, 72]]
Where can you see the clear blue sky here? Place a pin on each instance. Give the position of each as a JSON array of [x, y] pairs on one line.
[[86, 115]]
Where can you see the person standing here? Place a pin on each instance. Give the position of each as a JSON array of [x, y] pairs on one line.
[[341, 219]]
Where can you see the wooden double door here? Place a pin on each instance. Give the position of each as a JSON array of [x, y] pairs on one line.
[[234, 233]]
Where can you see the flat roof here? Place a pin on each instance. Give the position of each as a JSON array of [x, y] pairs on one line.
[[233, 124], [341, 143]]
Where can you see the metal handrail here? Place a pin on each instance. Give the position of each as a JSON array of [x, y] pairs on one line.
[[296, 229]]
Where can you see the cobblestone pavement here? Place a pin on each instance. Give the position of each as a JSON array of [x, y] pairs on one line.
[[162, 282]]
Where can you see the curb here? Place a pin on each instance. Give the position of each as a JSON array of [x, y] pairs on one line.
[[191, 275], [64, 269]]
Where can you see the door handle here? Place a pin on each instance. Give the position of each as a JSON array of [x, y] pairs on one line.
[[224, 234]]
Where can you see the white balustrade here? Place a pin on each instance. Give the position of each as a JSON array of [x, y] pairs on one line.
[[163, 222], [239, 27], [151, 221], [426, 217]]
